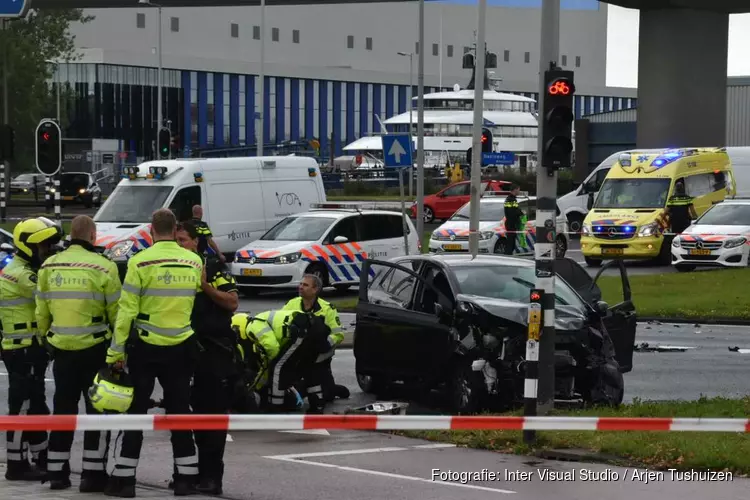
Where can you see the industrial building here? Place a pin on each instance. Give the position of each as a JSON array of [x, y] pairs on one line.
[[331, 70]]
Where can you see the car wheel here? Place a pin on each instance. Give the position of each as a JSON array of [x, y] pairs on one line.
[[684, 268], [428, 215], [371, 384], [499, 246], [609, 388], [466, 390], [319, 271], [575, 223], [593, 262], [561, 247]]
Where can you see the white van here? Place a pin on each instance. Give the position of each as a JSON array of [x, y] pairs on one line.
[[740, 157], [242, 198]]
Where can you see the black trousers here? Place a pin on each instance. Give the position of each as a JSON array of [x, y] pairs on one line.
[[319, 380], [511, 237], [294, 363], [213, 384], [74, 373], [26, 396], [173, 367]]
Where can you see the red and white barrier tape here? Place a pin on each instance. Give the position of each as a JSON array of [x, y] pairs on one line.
[[284, 422]]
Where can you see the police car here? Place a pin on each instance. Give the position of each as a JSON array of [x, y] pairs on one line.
[[331, 241], [719, 238], [453, 235]]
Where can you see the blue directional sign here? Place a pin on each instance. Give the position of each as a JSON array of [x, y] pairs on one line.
[[397, 151], [13, 8], [499, 158]]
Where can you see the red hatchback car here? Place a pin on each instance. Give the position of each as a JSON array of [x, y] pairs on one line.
[[443, 205]]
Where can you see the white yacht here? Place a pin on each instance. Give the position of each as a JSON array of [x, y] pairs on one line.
[[448, 127]]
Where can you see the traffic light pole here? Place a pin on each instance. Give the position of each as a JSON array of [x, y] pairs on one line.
[[539, 389], [476, 149], [4, 165]]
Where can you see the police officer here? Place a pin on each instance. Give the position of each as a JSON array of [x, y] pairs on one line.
[[158, 295], [513, 215], [22, 348], [681, 209], [212, 381], [320, 380], [76, 307], [205, 236]]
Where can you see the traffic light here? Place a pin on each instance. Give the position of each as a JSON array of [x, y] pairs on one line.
[[165, 137], [557, 128], [7, 140], [48, 147], [486, 141]]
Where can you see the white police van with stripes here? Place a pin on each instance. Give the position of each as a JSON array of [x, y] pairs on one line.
[[331, 241]]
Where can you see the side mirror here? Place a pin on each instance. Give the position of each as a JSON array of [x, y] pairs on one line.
[[7, 247], [601, 307], [340, 239], [444, 316]]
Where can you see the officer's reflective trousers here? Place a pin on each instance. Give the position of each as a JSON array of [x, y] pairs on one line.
[[212, 394], [294, 362], [173, 367], [26, 396], [74, 373]]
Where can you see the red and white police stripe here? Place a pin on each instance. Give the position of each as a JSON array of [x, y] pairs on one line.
[[286, 422]]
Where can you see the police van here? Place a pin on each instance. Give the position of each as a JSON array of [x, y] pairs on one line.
[[331, 241], [242, 198]]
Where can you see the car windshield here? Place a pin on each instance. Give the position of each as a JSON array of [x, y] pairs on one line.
[[133, 203], [512, 283], [300, 229], [25, 178], [727, 215], [75, 180], [493, 211], [633, 193]]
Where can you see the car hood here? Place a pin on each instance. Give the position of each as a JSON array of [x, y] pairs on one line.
[[715, 233], [108, 234], [461, 227], [619, 217], [570, 318], [272, 248]]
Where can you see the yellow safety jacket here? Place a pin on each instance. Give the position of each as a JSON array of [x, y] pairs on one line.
[[325, 310], [17, 291], [157, 297], [76, 303]]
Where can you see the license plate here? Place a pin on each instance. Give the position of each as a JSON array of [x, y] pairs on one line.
[[700, 251], [451, 247], [252, 272], [612, 251], [67, 198]]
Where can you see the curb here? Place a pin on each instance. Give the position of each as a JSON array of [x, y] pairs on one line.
[[696, 321]]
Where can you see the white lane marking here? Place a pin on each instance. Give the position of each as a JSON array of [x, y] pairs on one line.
[[391, 475], [336, 453], [434, 446], [313, 432], [229, 438]]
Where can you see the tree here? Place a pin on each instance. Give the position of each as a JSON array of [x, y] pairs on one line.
[[29, 43]]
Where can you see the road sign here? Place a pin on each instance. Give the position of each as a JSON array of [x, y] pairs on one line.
[[499, 158], [397, 151], [13, 8]]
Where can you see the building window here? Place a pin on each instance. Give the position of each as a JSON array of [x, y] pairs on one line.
[[235, 30], [368, 43], [275, 34], [506, 56], [450, 50], [350, 42], [564, 60], [295, 36], [578, 61], [467, 50], [256, 32], [140, 20], [527, 57], [416, 48], [174, 22], [435, 49]]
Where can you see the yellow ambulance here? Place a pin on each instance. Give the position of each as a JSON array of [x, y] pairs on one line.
[[629, 217]]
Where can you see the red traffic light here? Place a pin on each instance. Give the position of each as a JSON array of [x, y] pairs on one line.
[[484, 137], [45, 136], [561, 86], [535, 296]]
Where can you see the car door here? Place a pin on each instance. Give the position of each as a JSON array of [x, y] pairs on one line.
[[375, 236], [451, 199], [621, 318], [391, 337]]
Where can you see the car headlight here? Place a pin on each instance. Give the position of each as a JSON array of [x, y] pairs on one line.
[[735, 242], [120, 250], [586, 230], [81, 191], [649, 230], [676, 242], [288, 258], [434, 235], [486, 235]]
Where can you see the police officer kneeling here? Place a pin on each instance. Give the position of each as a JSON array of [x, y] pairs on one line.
[[22, 348], [157, 299], [213, 384], [76, 307]]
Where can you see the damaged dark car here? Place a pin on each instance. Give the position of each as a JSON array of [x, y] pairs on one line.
[[460, 324]]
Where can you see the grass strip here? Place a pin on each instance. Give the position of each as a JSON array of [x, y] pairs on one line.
[[717, 451]]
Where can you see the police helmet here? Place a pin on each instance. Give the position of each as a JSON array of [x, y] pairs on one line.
[[29, 233], [112, 392]]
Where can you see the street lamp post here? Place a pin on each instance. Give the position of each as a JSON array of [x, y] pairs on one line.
[[262, 78], [159, 118], [410, 55]]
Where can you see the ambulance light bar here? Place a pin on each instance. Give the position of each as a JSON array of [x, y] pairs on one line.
[[158, 173]]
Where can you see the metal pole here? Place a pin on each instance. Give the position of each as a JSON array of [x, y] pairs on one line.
[[57, 198], [476, 148], [6, 119], [401, 173], [440, 50], [420, 127], [411, 123], [262, 92], [159, 118], [57, 92], [540, 370]]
